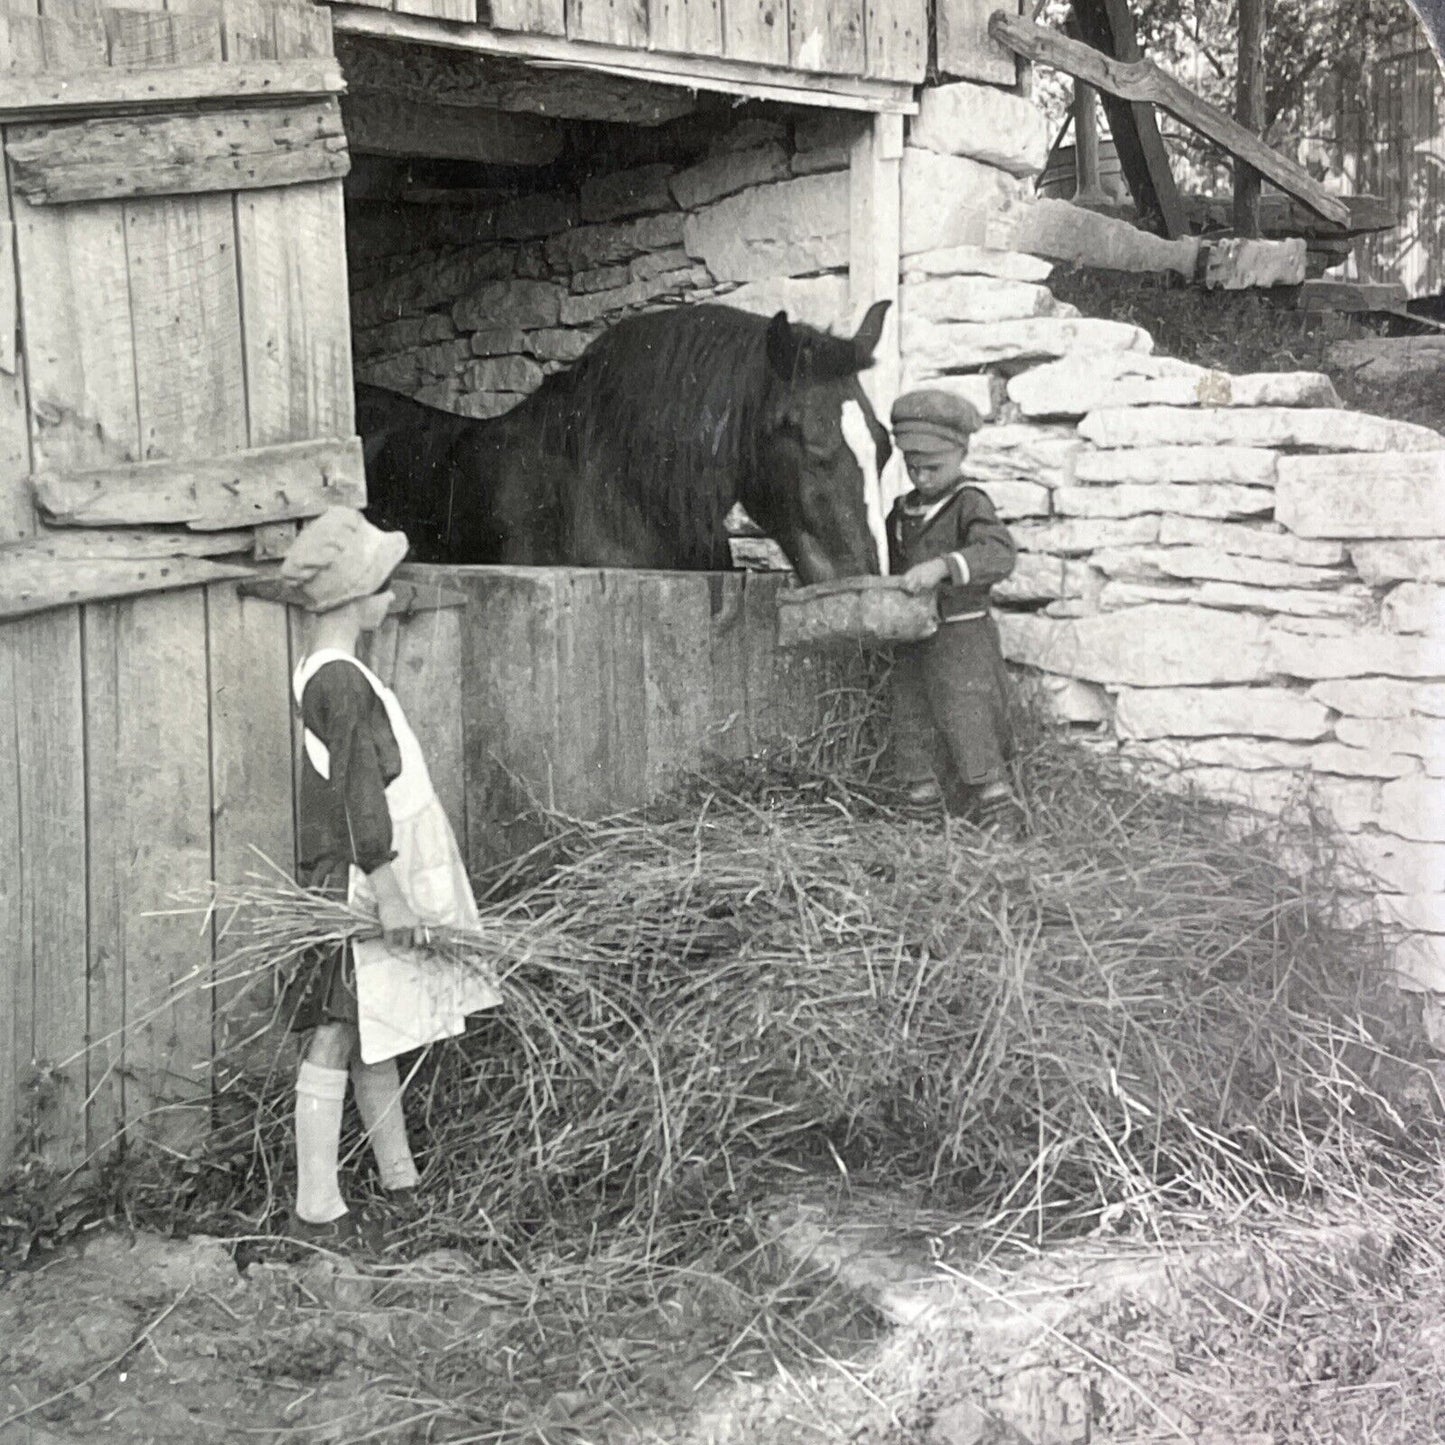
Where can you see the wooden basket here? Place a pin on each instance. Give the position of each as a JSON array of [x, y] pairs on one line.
[[855, 611]]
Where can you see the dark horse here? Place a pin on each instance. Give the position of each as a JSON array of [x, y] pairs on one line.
[[633, 456]]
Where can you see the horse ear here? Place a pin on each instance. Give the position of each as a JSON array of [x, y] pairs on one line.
[[870, 332], [782, 345]]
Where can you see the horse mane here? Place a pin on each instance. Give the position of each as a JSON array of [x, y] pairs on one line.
[[671, 406]]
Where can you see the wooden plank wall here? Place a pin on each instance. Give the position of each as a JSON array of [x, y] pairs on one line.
[[147, 744], [588, 691]]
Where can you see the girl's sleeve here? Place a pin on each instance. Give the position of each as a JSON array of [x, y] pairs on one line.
[[987, 551], [338, 706]]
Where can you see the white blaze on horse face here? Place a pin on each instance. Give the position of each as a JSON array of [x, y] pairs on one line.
[[860, 442]]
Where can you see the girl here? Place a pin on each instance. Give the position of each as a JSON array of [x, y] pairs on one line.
[[370, 827]]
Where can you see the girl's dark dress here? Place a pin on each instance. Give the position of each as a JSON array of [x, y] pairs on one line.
[[343, 821]]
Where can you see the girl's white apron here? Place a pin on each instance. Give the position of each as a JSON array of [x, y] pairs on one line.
[[406, 997]]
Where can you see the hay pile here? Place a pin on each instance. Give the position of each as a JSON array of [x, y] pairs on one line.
[[777, 970]]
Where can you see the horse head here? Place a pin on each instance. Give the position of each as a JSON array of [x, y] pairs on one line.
[[821, 451]]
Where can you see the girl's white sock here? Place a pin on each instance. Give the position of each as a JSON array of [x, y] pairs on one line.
[[378, 1100], [320, 1093]]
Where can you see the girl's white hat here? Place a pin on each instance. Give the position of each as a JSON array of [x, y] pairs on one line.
[[339, 557]]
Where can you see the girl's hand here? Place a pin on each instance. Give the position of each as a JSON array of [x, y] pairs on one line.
[[923, 576], [400, 926]]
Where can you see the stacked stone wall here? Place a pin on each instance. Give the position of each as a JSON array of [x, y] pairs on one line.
[[1230, 580], [468, 306]]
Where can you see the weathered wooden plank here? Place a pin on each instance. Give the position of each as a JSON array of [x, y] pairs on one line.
[[756, 30], [302, 30], [530, 17], [581, 762], [123, 546], [73, 35], [186, 314], [897, 39], [677, 653], [608, 22], [1142, 81], [509, 693], [392, 125], [966, 51], [17, 512], [692, 27], [760, 645], [426, 675], [231, 150], [22, 45], [142, 37], [457, 10], [40, 584], [211, 494], [827, 36], [15, 1040], [27, 97], [149, 784], [728, 734], [296, 314], [624, 687], [251, 795], [80, 352]]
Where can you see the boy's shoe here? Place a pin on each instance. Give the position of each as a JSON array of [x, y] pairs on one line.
[[925, 794], [1000, 816], [353, 1233]]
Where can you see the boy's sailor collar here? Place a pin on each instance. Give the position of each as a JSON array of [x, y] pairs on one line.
[[925, 512]]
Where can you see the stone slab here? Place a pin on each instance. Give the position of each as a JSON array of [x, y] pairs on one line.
[[1127, 500], [1351, 605], [500, 341], [944, 346], [728, 173], [1414, 607], [1402, 864], [1389, 494], [991, 125], [976, 261], [1068, 700], [1421, 737], [1324, 428], [1017, 451], [949, 200], [1015, 500], [524, 304], [1381, 697], [1413, 808], [1076, 387], [1276, 712], [1255, 539], [1150, 646], [820, 301], [503, 373], [1366, 654], [618, 195], [1035, 578], [1241, 466], [583, 247], [1238, 263], [1062, 231], [789, 228], [971, 298], [1379, 563], [1079, 536], [1211, 564]]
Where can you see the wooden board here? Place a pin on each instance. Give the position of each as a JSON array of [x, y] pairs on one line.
[[897, 36], [229, 150], [251, 794], [530, 17], [760, 644], [464, 11], [73, 35], [143, 38], [15, 1043], [677, 661], [80, 353], [608, 22], [123, 545], [827, 36], [17, 512], [296, 314], [44, 712], [102, 92], [624, 689], [728, 733], [691, 27], [40, 584], [266, 484], [966, 51], [756, 30], [391, 125], [149, 788], [581, 761]]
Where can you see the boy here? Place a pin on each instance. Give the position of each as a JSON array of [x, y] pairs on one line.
[[952, 734]]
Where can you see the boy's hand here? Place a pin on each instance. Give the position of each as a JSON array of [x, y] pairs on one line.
[[923, 576], [400, 926]]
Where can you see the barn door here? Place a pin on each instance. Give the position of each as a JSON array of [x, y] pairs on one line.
[[175, 394]]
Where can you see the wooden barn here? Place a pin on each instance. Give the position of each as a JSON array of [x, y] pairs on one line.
[[213, 214]]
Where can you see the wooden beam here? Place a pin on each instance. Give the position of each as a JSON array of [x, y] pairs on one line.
[[393, 125], [100, 545], [1284, 216], [267, 484], [1108, 26], [411, 594], [230, 150], [711, 73], [106, 92], [1144, 82], [1249, 112], [38, 584], [457, 77]]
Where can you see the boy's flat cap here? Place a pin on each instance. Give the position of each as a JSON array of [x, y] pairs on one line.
[[931, 420]]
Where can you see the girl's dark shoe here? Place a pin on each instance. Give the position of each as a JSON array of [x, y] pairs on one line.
[[352, 1233]]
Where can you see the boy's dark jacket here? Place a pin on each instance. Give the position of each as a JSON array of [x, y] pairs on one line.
[[967, 524]]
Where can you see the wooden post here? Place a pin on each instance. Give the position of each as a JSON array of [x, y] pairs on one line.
[[1249, 112], [875, 245], [1087, 190]]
